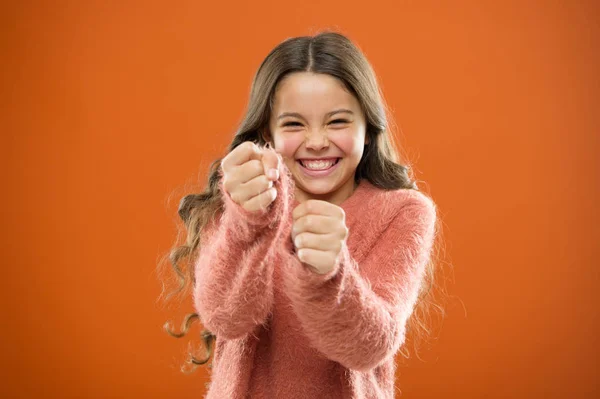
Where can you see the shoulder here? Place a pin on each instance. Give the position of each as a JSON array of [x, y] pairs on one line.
[[375, 197], [409, 198], [401, 205], [398, 216], [411, 219]]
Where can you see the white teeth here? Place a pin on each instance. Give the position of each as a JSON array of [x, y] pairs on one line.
[[318, 165]]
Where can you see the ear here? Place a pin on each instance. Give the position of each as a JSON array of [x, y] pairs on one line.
[[367, 139]]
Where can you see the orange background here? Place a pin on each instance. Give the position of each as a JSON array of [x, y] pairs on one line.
[[110, 109]]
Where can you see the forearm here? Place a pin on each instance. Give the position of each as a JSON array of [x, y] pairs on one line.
[[342, 316], [234, 269], [234, 284], [356, 314]]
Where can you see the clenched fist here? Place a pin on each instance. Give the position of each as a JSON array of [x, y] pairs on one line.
[[318, 231], [248, 175]]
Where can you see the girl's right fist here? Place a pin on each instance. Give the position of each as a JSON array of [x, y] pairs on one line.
[[248, 176]]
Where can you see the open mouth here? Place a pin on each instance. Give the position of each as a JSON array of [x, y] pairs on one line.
[[320, 165]]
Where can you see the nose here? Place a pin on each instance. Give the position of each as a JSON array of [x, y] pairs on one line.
[[317, 140]]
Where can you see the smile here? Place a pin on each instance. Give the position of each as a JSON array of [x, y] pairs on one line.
[[321, 168]]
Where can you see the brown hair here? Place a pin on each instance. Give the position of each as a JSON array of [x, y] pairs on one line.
[[327, 53]]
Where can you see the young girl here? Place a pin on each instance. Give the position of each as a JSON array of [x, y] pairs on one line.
[[310, 245]]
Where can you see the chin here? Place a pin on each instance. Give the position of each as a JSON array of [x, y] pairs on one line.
[[318, 188]]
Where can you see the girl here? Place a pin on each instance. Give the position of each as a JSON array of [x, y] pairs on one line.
[[310, 246]]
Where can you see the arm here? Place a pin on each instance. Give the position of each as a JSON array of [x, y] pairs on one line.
[[234, 268], [356, 314]]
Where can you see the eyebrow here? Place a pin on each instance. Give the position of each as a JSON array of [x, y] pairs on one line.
[[297, 115]]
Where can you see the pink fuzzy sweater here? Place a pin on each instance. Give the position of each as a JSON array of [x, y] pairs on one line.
[[284, 331]]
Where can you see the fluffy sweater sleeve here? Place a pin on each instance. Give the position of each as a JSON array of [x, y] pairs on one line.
[[233, 290], [356, 314]]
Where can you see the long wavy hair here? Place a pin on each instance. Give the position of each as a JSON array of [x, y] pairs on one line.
[[329, 53]]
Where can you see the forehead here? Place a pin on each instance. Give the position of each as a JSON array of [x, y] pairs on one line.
[[311, 93]]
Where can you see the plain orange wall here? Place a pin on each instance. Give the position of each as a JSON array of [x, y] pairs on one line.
[[109, 109]]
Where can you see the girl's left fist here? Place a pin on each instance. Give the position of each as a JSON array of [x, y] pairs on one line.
[[318, 232]]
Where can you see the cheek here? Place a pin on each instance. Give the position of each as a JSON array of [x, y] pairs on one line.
[[287, 144], [348, 143]]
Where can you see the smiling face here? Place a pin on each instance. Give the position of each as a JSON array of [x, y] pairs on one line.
[[315, 117]]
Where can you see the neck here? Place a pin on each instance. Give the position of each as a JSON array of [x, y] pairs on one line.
[[335, 197]]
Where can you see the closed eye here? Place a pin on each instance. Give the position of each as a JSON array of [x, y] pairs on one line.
[[337, 121]]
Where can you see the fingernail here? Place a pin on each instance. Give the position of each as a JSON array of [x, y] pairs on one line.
[[274, 174]]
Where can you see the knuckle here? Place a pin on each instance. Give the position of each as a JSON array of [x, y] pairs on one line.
[[226, 182], [235, 152], [247, 206], [249, 145], [264, 181], [266, 198], [257, 166], [269, 196], [226, 165], [272, 195], [244, 148], [235, 197]]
